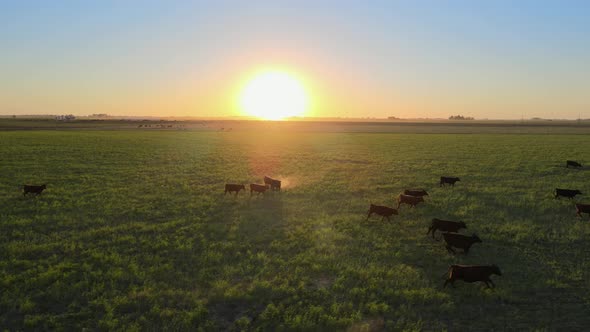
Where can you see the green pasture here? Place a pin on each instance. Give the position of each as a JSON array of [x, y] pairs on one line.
[[134, 231]]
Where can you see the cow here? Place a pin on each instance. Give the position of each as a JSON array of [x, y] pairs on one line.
[[229, 188], [472, 273], [274, 184], [445, 226], [258, 188], [383, 211], [37, 190], [582, 208], [415, 192], [460, 241], [410, 200], [572, 163], [569, 193], [450, 180]]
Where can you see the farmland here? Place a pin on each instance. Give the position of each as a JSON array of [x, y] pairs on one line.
[[134, 232]]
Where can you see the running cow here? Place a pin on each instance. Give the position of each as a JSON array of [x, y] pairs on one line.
[[383, 211], [569, 193], [258, 188], [445, 226], [274, 184], [229, 188], [472, 273], [448, 180], [410, 200], [37, 190]]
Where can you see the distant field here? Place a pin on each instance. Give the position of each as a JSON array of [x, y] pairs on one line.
[[335, 126], [134, 232]]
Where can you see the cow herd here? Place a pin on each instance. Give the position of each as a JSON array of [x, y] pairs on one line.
[[449, 229], [269, 183]]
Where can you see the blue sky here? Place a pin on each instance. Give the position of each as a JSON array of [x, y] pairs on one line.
[[488, 59]]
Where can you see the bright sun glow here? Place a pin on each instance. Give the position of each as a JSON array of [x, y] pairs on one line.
[[274, 95]]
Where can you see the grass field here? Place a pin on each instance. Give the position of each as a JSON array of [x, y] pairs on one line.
[[134, 232]]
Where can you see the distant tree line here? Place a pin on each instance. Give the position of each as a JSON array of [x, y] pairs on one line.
[[460, 117]]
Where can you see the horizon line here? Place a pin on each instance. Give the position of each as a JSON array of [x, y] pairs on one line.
[[294, 118]]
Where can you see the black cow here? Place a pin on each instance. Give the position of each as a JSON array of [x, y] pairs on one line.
[[472, 273], [415, 192], [410, 200], [572, 163], [450, 180], [229, 188], [569, 193], [582, 208], [258, 188], [445, 226], [274, 184], [460, 241], [383, 211], [37, 190]]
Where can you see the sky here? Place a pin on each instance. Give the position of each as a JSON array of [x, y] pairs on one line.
[[491, 59]]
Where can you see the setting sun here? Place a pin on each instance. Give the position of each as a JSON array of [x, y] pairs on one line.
[[274, 95]]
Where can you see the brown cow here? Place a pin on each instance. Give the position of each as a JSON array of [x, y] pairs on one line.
[[472, 273], [383, 211], [460, 241], [445, 226], [229, 188], [569, 193], [582, 208], [449, 180], [410, 200], [37, 190], [258, 188], [274, 184], [415, 192]]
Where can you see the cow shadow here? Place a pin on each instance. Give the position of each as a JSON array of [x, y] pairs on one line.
[[265, 206], [562, 166], [249, 226], [582, 168]]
